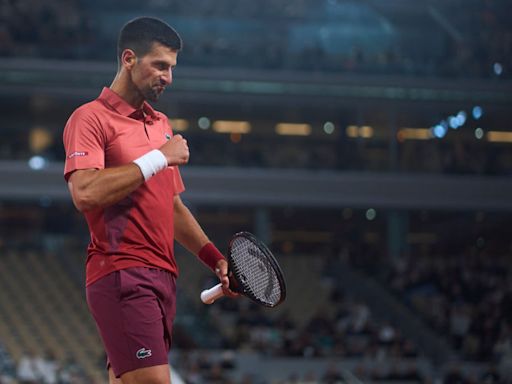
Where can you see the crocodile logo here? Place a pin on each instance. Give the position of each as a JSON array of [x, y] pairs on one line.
[[143, 353]]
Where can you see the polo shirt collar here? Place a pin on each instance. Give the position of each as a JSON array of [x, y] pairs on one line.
[[121, 106]]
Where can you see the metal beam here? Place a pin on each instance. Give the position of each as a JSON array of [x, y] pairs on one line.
[[83, 80]]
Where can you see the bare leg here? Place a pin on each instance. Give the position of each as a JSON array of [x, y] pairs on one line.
[[112, 378], [158, 374]]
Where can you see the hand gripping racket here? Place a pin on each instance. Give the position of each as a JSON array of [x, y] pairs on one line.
[[253, 271]]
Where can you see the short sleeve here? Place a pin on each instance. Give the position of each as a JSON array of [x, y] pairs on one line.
[[84, 142], [179, 187]]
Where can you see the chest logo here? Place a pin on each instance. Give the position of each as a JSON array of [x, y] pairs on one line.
[[168, 136]]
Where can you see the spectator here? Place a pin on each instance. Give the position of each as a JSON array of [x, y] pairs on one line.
[[27, 371]]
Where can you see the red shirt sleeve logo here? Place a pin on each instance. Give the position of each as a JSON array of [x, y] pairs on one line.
[[78, 154]]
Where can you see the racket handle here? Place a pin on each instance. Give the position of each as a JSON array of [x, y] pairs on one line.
[[208, 296]]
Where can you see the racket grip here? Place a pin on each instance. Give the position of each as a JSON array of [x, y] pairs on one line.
[[208, 296]]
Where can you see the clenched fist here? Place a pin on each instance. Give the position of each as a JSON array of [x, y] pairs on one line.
[[176, 150]]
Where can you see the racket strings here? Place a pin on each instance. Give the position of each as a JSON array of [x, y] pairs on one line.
[[255, 272]]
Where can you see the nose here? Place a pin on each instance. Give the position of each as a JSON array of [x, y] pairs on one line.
[[167, 77]]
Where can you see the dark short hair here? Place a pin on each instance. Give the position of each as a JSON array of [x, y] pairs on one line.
[[141, 33]]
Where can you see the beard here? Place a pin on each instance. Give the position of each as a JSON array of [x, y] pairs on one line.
[[153, 93]]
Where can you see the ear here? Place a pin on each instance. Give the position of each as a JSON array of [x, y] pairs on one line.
[[128, 59]]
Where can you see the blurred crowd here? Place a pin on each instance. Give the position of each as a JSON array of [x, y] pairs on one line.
[[32, 368], [459, 285], [46, 369], [349, 330], [479, 47], [53, 29], [342, 329], [466, 297], [7, 365], [485, 46], [204, 368]]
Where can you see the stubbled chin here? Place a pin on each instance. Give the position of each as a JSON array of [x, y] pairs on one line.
[[153, 95]]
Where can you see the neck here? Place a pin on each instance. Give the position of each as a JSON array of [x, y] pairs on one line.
[[123, 86]]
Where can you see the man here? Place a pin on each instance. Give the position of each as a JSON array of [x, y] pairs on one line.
[[122, 171]]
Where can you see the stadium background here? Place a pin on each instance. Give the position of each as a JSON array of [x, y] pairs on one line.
[[367, 142]]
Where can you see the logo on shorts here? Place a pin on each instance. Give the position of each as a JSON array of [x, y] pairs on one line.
[[143, 353]]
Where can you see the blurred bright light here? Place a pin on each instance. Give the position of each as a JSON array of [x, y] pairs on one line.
[[293, 129], [235, 137], [479, 133], [230, 126], [461, 118], [439, 131], [371, 214], [37, 163], [329, 127], [352, 131], [499, 136], [40, 138], [366, 131], [203, 122], [178, 124], [456, 121], [498, 68], [414, 134], [453, 122], [477, 112]]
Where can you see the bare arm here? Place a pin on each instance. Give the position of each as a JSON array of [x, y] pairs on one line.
[[189, 233], [187, 230], [92, 188]]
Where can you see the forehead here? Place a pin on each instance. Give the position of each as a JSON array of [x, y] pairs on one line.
[[161, 53]]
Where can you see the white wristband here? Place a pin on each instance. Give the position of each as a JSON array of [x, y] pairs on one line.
[[151, 163]]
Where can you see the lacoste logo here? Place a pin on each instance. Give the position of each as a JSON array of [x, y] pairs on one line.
[[77, 153], [167, 136], [143, 353]]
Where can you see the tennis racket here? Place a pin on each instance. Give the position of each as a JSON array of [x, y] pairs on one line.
[[254, 272]]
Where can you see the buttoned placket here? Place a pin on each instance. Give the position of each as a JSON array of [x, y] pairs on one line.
[[145, 128]]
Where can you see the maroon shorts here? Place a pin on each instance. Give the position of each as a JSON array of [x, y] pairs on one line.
[[134, 310]]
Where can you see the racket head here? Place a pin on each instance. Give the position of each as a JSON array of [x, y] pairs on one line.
[[256, 272]]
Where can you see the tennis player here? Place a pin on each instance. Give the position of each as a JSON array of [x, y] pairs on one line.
[[122, 171]]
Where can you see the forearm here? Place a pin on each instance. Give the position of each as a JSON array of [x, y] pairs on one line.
[[187, 230], [92, 189], [189, 233]]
